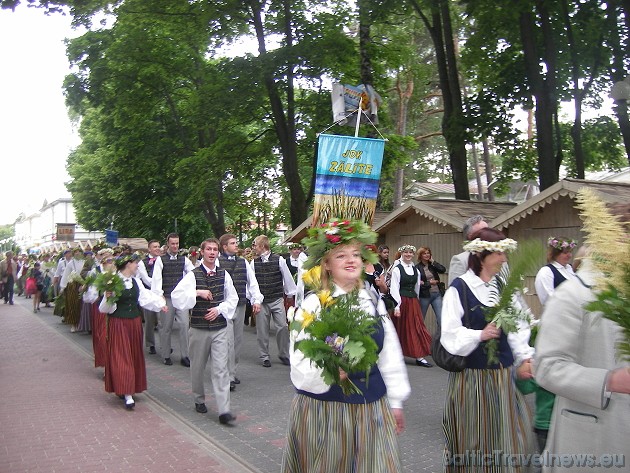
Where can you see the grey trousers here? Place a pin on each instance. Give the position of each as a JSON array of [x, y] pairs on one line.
[[268, 311], [165, 328], [235, 338], [211, 344], [150, 322]]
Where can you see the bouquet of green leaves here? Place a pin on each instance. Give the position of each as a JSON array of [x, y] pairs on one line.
[[75, 277], [338, 338], [88, 281], [609, 252], [525, 260], [110, 282]]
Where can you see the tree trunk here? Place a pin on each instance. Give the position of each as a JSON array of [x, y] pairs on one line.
[[401, 129], [284, 124], [486, 160], [544, 111], [441, 33]]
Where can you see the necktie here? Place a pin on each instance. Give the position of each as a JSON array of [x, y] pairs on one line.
[[173, 257], [151, 261], [232, 258], [211, 272]]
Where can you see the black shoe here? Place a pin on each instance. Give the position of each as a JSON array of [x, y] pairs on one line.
[[10, 302], [185, 362], [168, 361], [152, 350], [227, 419], [236, 380], [130, 405], [201, 408], [284, 360], [266, 363], [232, 386], [424, 363]]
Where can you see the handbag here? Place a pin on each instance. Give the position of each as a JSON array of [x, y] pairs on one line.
[[440, 355], [441, 287]]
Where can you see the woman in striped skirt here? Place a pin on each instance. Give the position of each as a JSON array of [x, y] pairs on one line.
[[486, 420], [125, 371], [328, 430]]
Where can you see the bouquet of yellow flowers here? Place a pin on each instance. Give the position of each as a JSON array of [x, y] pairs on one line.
[[337, 338]]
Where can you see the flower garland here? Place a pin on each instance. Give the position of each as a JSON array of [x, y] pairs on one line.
[[404, 248], [323, 238], [337, 337], [561, 244], [478, 245]]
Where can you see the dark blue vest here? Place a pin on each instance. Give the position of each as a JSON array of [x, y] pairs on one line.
[[477, 321], [372, 390], [557, 277]]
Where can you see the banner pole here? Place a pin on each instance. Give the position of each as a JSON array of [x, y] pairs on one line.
[[356, 128]]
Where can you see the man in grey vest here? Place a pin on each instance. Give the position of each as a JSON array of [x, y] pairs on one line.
[[274, 280], [145, 271], [208, 290], [246, 285], [168, 270]]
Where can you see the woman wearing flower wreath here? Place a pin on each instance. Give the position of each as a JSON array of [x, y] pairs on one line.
[[558, 268], [414, 337], [484, 412], [99, 327], [330, 431], [125, 371]]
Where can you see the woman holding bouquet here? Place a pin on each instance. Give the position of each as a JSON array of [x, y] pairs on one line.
[[405, 286], [329, 428], [484, 412], [125, 371]]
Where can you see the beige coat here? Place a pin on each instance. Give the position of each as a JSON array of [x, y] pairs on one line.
[[575, 350], [3, 270]]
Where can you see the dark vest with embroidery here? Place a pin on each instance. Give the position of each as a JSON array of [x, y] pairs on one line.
[[408, 283], [172, 272], [477, 321], [237, 268], [269, 278], [216, 285], [372, 387], [149, 267], [557, 277], [127, 305], [292, 269]]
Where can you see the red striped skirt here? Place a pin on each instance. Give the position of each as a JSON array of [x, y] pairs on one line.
[[415, 339], [99, 343], [125, 371]]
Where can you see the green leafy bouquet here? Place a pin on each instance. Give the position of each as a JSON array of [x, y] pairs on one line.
[[110, 282], [337, 338], [525, 260], [609, 252], [88, 281]]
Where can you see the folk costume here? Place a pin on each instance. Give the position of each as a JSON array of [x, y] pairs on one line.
[[70, 288], [246, 285], [484, 411], [145, 272], [168, 271], [125, 371], [414, 337], [208, 338], [274, 280]]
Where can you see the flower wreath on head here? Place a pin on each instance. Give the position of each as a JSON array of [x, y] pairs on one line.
[[323, 238], [121, 261], [478, 245], [404, 248], [561, 244]]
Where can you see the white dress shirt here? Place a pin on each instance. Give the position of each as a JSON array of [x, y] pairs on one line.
[[146, 299], [394, 288], [460, 340], [544, 280], [156, 279], [73, 266], [290, 288], [308, 377], [184, 296]]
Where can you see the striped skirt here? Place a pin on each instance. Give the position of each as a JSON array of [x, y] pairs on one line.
[[85, 322], [125, 371], [99, 335], [415, 339], [335, 437], [72, 309], [486, 422]]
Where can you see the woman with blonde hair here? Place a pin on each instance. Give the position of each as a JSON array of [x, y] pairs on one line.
[[329, 430]]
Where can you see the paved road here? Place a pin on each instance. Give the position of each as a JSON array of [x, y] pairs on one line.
[[56, 415]]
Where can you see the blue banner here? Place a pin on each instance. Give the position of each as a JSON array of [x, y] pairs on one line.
[[111, 237], [347, 178]]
